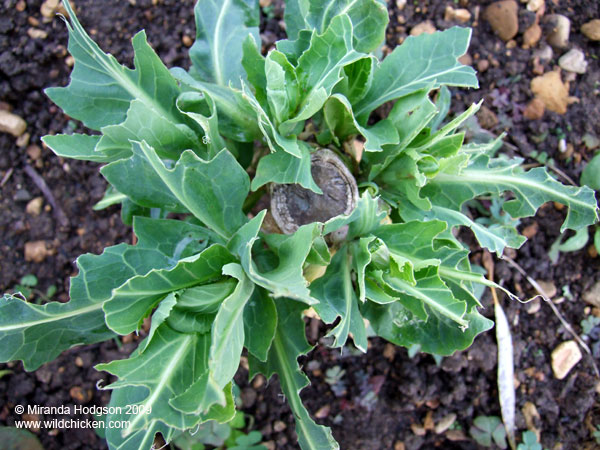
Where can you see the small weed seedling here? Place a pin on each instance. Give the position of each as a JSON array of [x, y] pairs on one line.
[[261, 186]]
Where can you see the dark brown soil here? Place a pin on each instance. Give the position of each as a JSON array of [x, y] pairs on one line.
[[385, 396]]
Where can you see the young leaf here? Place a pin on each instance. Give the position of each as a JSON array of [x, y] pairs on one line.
[[342, 123], [286, 280], [283, 90], [369, 19], [221, 28], [235, 115], [320, 68], [228, 329], [260, 323], [283, 168], [202, 109], [290, 343], [337, 298], [410, 115], [417, 63]]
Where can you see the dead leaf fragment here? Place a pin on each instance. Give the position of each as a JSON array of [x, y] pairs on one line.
[[592, 295], [551, 90], [564, 358], [534, 109], [532, 417], [445, 423]]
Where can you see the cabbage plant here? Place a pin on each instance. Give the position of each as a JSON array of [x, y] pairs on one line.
[[259, 187]]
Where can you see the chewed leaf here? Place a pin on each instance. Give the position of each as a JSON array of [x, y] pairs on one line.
[[438, 335], [37, 334], [135, 299], [288, 344], [337, 298], [531, 189], [101, 89], [417, 63]]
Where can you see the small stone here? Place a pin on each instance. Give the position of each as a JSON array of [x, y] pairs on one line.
[[534, 110], [399, 445], [459, 15], [573, 61], [31, 420], [504, 19], [560, 28], [564, 358], [400, 4], [445, 423], [34, 152], [258, 381], [34, 207], [389, 351], [279, 426], [456, 435], [417, 429], [70, 61], [187, 41], [22, 195], [79, 361], [36, 251], [592, 296], [533, 306], [544, 54], [426, 27], [265, 3], [591, 30], [23, 140], [466, 59], [548, 287], [532, 36], [21, 6], [11, 123], [36, 33], [534, 5], [248, 396], [530, 230], [49, 8], [80, 395], [483, 65], [323, 412], [487, 118], [532, 417]]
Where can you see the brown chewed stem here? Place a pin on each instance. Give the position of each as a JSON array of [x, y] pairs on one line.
[[293, 206]]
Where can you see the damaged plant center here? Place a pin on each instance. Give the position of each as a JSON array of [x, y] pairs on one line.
[[250, 209], [293, 206]]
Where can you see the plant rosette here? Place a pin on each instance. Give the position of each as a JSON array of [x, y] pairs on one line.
[[370, 202]]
